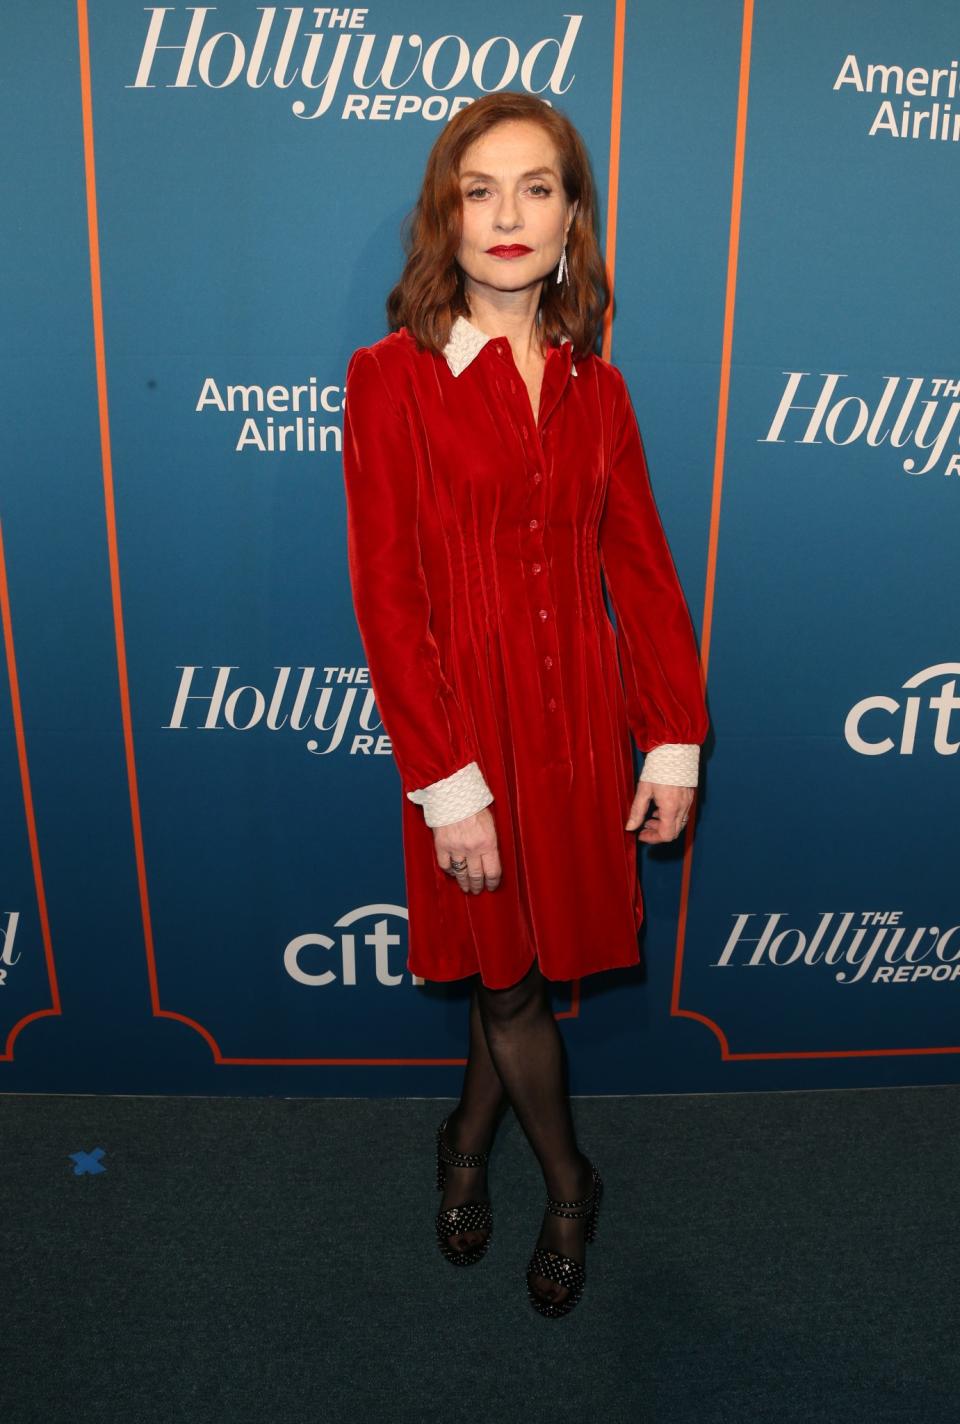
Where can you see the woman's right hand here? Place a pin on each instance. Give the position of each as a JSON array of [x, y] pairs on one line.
[[474, 841]]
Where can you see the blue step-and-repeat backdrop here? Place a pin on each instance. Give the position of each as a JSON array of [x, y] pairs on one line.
[[201, 880]]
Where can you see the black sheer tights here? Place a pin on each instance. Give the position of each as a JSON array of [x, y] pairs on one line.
[[517, 1056]]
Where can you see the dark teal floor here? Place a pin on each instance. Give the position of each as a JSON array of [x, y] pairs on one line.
[[760, 1257]]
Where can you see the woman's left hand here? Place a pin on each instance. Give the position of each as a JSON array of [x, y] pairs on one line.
[[667, 822]]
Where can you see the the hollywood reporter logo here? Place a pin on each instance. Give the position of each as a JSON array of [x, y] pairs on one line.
[[880, 724], [367, 951], [860, 947], [815, 409], [8, 934], [207, 700], [334, 49]]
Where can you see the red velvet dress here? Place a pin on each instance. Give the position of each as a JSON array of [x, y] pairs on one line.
[[476, 537]]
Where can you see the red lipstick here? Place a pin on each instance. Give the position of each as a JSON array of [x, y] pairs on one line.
[[516, 249]]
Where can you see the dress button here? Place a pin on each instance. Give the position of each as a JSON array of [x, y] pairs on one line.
[[548, 662], [537, 477], [526, 433], [537, 568], [552, 704], [534, 523], [544, 613]]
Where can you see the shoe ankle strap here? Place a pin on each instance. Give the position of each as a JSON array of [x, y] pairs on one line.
[[583, 1207], [458, 1159], [558, 1209]]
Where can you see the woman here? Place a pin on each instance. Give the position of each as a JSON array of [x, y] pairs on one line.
[[493, 468]]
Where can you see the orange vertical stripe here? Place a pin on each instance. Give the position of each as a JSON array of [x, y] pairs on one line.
[[86, 101], [730, 301], [720, 445], [613, 178], [733, 250]]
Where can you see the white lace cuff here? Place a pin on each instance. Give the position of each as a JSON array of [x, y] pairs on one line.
[[454, 797], [673, 764]]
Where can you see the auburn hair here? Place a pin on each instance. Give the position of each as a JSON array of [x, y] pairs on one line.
[[430, 294]]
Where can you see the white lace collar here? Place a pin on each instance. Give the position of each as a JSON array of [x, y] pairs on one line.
[[466, 341]]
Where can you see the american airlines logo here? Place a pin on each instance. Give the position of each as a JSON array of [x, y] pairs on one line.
[[880, 724], [334, 53], [923, 103]]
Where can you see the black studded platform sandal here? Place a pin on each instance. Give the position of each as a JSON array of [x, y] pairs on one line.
[[553, 1265], [469, 1216]]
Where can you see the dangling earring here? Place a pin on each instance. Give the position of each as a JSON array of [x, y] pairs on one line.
[[562, 269]]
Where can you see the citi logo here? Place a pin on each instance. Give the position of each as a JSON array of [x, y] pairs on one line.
[[880, 724], [362, 954], [333, 51], [8, 934]]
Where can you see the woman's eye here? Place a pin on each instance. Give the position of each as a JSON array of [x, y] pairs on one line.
[[538, 189]]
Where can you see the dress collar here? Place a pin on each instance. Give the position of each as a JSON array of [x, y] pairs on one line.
[[467, 340]]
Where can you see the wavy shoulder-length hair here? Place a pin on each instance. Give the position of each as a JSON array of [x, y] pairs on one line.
[[430, 293]]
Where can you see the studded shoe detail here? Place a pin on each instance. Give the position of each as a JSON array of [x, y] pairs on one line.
[[469, 1216], [553, 1265]]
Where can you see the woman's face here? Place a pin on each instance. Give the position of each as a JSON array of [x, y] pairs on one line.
[[515, 211]]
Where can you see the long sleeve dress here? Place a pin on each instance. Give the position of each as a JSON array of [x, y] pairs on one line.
[[476, 537]]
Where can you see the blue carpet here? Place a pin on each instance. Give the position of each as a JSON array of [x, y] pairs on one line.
[[760, 1257]]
